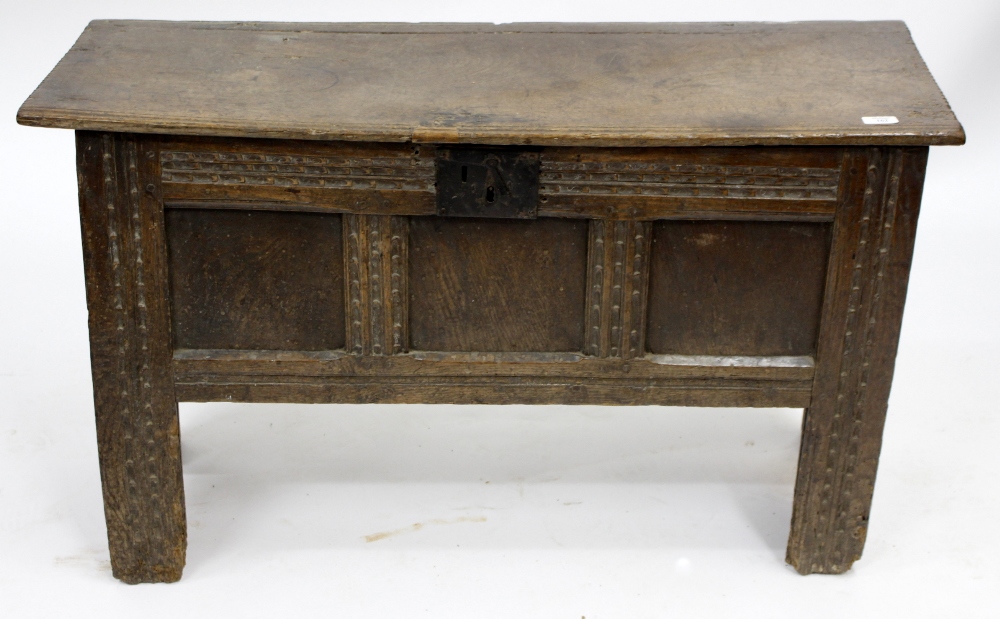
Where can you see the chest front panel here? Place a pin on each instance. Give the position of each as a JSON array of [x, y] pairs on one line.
[[638, 267]]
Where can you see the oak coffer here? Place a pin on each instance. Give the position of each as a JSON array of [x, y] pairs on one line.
[[673, 214]]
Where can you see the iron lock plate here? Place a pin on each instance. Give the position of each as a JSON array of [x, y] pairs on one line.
[[487, 182]]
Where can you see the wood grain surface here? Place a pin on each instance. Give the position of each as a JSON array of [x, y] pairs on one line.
[[736, 288], [256, 279], [488, 378], [258, 207], [555, 84], [497, 285]]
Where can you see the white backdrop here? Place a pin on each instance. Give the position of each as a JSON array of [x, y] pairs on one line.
[[438, 511]]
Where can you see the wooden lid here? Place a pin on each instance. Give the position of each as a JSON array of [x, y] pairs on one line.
[[555, 84]]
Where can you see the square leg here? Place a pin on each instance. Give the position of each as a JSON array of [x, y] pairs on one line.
[[137, 425], [859, 331]]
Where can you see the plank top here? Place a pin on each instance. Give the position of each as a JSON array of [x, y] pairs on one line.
[[683, 84]]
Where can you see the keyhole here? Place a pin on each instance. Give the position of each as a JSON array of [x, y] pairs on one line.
[[490, 195], [465, 174]]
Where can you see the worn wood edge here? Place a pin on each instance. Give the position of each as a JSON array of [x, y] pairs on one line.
[[933, 135], [191, 364], [494, 390], [951, 133], [735, 361]]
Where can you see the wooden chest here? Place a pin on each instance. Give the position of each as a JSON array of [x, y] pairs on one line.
[[673, 214]]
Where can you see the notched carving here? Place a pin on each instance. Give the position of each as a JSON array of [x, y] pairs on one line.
[[403, 172], [375, 266], [632, 178], [617, 288], [867, 280], [355, 317], [595, 287], [636, 294], [398, 259], [136, 418], [843, 425]]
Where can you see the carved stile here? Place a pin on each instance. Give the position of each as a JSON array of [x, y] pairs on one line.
[[617, 288], [842, 429], [138, 431], [375, 248]]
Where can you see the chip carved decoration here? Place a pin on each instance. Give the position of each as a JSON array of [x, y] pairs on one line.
[[375, 267], [402, 172], [872, 257], [131, 315], [557, 178], [617, 288], [136, 413], [375, 250], [661, 178]]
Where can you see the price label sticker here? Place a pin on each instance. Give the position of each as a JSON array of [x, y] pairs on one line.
[[879, 120]]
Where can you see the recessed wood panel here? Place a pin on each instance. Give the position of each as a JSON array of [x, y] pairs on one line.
[[256, 280], [736, 288], [497, 285]]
